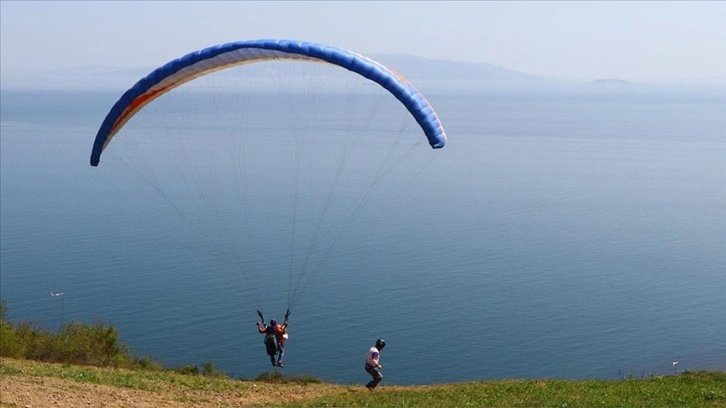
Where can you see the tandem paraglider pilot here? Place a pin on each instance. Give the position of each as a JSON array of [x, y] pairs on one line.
[[373, 365], [275, 337]]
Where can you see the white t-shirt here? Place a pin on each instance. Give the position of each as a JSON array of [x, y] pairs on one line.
[[372, 357]]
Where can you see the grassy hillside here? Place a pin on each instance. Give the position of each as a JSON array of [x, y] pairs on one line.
[[29, 383], [86, 365]]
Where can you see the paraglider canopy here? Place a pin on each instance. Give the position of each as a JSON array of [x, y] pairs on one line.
[[215, 58]]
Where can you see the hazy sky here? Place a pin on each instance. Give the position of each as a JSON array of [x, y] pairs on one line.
[[637, 41]]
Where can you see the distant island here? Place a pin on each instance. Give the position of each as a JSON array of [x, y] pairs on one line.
[[610, 81]]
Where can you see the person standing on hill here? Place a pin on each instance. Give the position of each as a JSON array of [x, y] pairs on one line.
[[373, 365]]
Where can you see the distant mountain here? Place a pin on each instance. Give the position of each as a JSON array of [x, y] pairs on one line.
[[412, 67], [420, 68], [101, 70], [610, 81], [416, 69]]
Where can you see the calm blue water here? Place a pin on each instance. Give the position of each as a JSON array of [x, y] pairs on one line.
[[568, 232]]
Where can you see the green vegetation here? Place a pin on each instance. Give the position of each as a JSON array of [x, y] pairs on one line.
[[691, 389], [277, 377], [77, 343], [92, 354], [148, 380]]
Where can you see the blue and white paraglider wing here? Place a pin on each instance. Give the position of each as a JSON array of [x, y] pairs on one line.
[[219, 57]]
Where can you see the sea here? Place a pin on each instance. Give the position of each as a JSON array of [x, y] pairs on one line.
[[566, 230]]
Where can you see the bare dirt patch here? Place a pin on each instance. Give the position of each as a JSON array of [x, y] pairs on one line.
[[32, 391]]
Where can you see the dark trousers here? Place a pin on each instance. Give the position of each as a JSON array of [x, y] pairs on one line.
[[375, 373], [272, 347]]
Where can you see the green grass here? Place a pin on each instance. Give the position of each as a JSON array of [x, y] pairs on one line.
[[279, 378], [148, 380], [689, 389], [82, 353]]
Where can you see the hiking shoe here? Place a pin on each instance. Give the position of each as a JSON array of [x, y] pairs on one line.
[[280, 365]]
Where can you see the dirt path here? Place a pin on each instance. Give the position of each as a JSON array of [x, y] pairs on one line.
[[39, 392], [32, 391]]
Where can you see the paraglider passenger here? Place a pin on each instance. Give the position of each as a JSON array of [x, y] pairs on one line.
[[275, 336], [373, 365]]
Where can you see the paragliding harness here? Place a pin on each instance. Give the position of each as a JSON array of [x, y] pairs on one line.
[[270, 341]]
